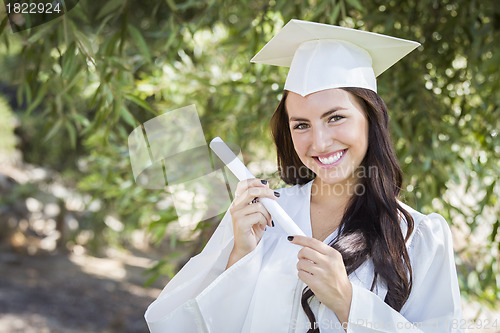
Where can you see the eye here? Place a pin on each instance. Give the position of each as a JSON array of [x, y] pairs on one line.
[[335, 118], [301, 126]]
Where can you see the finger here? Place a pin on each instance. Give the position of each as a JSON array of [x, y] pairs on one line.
[[259, 221], [306, 253], [307, 266], [307, 278], [254, 208], [259, 207], [261, 192], [262, 210], [250, 221], [312, 243], [250, 194], [245, 184], [244, 193]]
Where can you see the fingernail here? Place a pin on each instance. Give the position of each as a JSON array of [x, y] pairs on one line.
[[263, 181], [277, 194], [290, 238], [272, 223]]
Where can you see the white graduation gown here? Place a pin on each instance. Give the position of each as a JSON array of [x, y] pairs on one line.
[[261, 292]]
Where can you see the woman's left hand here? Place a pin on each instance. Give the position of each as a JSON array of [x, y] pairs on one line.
[[321, 267]]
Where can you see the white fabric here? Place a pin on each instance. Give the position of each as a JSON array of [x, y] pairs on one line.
[[327, 63], [333, 66], [261, 292]]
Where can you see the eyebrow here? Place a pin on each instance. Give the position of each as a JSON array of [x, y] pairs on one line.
[[326, 114]]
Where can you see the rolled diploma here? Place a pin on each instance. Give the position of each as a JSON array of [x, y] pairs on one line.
[[241, 172]]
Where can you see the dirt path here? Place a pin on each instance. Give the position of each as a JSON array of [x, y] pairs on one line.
[[84, 294], [74, 294]]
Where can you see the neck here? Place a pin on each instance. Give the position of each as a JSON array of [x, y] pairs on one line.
[[328, 205], [332, 195]]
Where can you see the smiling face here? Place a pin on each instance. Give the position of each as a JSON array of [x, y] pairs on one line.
[[329, 131]]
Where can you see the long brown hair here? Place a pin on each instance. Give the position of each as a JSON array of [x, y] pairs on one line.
[[370, 227]]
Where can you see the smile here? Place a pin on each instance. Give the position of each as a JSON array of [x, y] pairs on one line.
[[331, 159]]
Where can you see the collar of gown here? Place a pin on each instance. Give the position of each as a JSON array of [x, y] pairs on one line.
[[296, 201]]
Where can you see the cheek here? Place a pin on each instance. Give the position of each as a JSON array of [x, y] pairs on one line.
[[360, 132], [357, 135], [299, 143], [350, 136], [364, 135]]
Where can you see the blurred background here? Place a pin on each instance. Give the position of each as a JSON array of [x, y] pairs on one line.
[[84, 249]]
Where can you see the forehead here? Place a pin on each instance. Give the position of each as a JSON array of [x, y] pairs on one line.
[[321, 101]]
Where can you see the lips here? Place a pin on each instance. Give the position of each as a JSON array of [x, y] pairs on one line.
[[330, 159]]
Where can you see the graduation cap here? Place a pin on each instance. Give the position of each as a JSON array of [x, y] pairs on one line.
[[323, 56]]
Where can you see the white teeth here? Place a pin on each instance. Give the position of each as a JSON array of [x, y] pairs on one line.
[[331, 159]]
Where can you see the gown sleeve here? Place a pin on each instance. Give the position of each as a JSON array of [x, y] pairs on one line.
[[434, 304], [203, 296]]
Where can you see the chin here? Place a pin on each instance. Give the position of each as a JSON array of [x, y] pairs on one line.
[[336, 176], [331, 180]]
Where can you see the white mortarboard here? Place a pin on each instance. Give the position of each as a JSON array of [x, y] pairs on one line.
[[322, 56]]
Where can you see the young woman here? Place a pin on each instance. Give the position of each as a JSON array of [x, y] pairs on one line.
[[369, 263]]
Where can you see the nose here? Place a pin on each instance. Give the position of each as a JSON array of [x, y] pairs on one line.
[[322, 138]]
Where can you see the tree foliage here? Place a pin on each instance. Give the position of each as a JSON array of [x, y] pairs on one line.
[[86, 80]]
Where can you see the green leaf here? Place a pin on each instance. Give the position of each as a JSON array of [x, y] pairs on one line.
[[19, 93], [4, 23], [71, 83], [42, 91], [68, 60], [127, 116], [80, 119], [489, 192], [335, 14], [40, 33], [356, 4], [109, 7], [118, 62], [139, 102], [139, 42], [27, 89], [55, 128], [85, 45], [72, 133], [103, 24], [171, 5], [494, 232]]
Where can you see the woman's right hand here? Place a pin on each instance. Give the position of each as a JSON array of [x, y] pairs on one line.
[[249, 216]]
